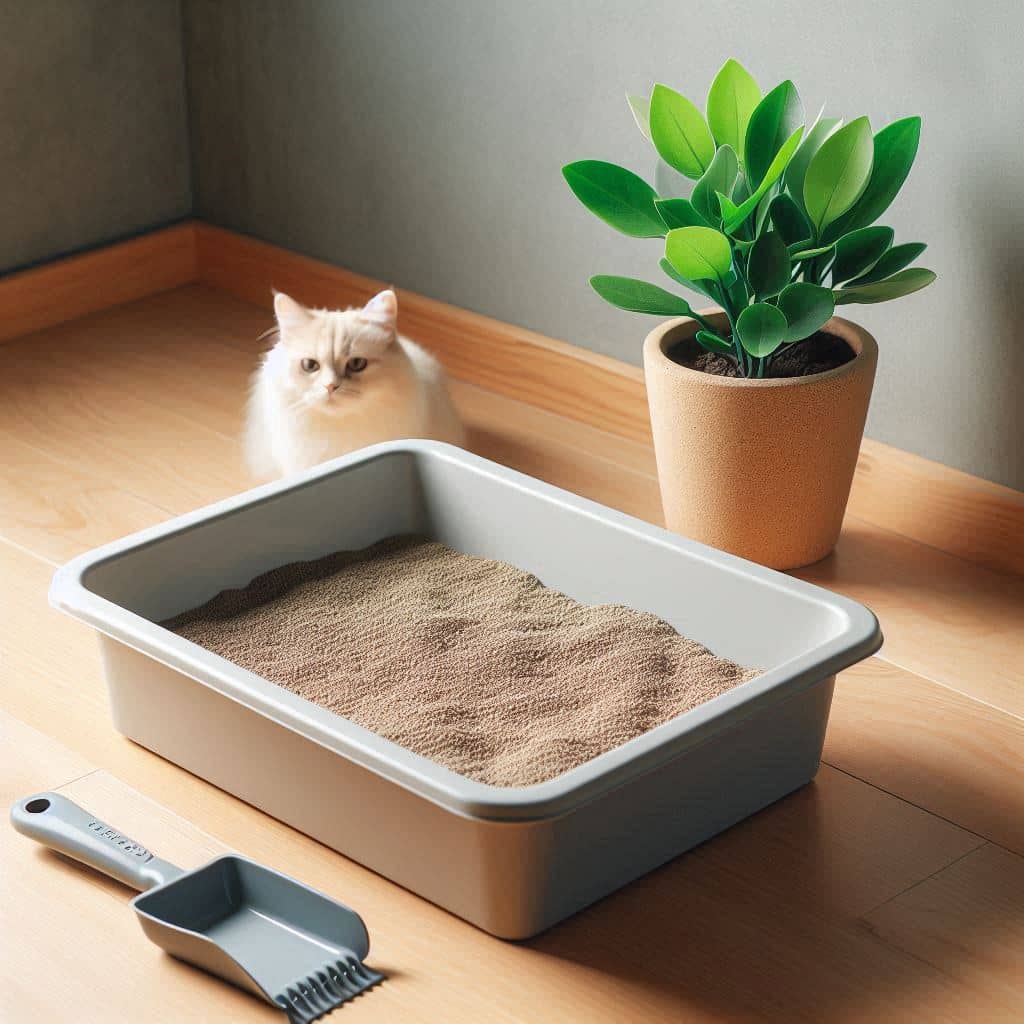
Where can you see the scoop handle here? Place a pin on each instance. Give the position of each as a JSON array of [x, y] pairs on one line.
[[59, 823]]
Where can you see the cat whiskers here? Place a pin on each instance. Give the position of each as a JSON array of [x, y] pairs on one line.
[[271, 332], [302, 402]]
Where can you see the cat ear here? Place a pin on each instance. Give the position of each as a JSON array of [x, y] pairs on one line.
[[381, 310], [290, 314]]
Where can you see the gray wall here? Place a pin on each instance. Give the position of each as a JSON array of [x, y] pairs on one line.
[[94, 136], [420, 141]]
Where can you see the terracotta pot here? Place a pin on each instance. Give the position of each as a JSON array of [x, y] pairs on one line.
[[761, 468]]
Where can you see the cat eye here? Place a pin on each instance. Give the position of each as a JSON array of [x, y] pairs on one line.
[[356, 365], [310, 365]]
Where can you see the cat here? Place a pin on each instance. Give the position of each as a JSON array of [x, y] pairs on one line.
[[338, 381]]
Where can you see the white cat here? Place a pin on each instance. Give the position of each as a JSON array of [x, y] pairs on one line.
[[337, 381]]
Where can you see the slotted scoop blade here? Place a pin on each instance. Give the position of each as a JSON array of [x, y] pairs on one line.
[[264, 932]]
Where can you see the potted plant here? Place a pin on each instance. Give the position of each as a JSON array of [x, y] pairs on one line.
[[758, 404]]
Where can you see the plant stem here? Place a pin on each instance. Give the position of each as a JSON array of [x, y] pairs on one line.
[[706, 324], [737, 347], [723, 300], [746, 362]]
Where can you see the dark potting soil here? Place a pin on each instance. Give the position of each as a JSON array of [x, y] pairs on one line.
[[817, 354]]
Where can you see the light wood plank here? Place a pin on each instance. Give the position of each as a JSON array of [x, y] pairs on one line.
[[943, 618], [57, 511], [968, 922], [941, 750], [509, 421], [696, 927], [132, 431], [72, 947], [30, 762], [725, 933], [709, 946], [68, 288], [834, 845]]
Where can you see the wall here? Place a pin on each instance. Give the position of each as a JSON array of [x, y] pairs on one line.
[[420, 141], [94, 144]]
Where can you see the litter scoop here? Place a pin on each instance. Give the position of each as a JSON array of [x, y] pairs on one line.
[[254, 927]]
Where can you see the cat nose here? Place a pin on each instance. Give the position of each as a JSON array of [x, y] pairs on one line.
[[332, 386]]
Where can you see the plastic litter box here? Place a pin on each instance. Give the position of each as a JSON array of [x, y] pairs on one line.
[[511, 860]]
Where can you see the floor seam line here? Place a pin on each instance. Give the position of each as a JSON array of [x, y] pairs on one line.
[[78, 778], [910, 803], [28, 551], [881, 656], [921, 881]]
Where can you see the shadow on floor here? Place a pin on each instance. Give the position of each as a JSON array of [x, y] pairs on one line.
[[765, 922]]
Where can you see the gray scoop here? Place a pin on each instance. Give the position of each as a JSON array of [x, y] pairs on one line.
[[254, 927]]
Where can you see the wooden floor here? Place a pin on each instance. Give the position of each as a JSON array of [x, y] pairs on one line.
[[890, 889]]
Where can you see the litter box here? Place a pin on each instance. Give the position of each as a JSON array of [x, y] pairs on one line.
[[513, 861]]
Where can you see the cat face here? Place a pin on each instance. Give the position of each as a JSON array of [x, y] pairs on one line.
[[331, 361]]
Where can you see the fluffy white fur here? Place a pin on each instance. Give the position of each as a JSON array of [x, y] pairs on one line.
[[337, 381]]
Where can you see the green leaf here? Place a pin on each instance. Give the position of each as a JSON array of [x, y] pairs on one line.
[[719, 177], [761, 215], [740, 213], [680, 133], [639, 296], [737, 292], [773, 121], [807, 308], [731, 100], [796, 172], [903, 283], [762, 329], [768, 265], [617, 196], [641, 107], [898, 257], [859, 251], [789, 220], [838, 173], [679, 213], [798, 255], [699, 253], [894, 149], [668, 182], [674, 274], [712, 342], [729, 208]]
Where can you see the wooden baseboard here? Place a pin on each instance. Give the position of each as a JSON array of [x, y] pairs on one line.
[[926, 501], [34, 299], [511, 360]]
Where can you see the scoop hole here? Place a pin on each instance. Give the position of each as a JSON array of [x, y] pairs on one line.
[[37, 806]]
